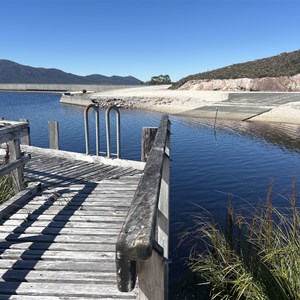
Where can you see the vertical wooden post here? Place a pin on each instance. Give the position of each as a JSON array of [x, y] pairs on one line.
[[151, 277], [17, 174], [163, 214], [148, 136], [153, 274], [53, 135], [26, 139]]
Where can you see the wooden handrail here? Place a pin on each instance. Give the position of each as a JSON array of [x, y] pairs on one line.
[[11, 133], [12, 130], [138, 235]]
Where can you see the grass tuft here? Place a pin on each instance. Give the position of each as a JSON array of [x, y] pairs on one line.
[[6, 182], [255, 257]]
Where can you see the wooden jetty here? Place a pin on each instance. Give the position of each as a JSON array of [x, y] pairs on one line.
[[86, 227]]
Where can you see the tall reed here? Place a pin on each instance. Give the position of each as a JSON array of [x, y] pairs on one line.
[[6, 182], [257, 257]]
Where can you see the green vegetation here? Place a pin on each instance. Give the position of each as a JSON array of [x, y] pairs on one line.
[[285, 64], [257, 257], [6, 183], [6, 188], [161, 79]]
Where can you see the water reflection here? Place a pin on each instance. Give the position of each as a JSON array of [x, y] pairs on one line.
[[286, 136], [237, 160]]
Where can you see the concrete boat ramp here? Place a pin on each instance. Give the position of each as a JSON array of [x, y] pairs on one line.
[[243, 106]]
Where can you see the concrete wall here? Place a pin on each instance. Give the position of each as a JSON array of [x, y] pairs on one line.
[[81, 100], [59, 87]]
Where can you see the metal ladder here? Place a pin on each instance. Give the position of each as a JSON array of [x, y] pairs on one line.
[[95, 106]]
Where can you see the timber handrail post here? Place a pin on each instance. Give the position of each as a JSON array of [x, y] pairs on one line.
[[142, 248], [26, 139], [53, 135], [11, 133], [148, 137]]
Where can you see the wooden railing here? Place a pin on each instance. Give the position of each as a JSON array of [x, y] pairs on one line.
[[11, 133], [142, 247]]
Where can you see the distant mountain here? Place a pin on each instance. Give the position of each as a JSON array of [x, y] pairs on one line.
[[284, 64], [12, 72]]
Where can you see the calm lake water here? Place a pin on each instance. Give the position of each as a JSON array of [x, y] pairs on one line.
[[238, 160]]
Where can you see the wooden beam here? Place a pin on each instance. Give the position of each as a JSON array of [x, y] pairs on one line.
[[26, 139], [19, 199], [53, 135], [17, 174], [12, 131], [137, 236], [148, 136], [5, 169]]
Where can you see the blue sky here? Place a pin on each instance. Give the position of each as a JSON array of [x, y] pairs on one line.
[[144, 38]]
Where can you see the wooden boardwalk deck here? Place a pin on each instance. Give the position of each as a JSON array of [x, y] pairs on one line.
[[61, 243]]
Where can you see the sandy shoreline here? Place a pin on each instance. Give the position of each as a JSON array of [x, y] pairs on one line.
[[257, 106]]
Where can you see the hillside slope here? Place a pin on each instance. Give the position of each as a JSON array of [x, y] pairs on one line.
[[11, 72], [285, 64]]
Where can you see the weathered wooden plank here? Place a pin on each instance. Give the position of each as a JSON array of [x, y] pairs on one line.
[[35, 217], [58, 265], [108, 239], [53, 135], [26, 139], [5, 169], [34, 297], [95, 196], [59, 246], [13, 132], [57, 276], [70, 211], [86, 207], [18, 200], [148, 136], [150, 273], [55, 224], [63, 289], [57, 255], [60, 231], [137, 237], [123, 163], [17, 174]]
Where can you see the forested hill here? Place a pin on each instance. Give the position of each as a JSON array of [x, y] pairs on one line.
[[285, 64], [11, 72]]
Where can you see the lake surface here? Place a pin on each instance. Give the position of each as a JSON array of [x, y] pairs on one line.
[[238, 160]]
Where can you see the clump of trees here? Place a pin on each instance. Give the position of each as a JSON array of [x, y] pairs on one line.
[[160, 79]]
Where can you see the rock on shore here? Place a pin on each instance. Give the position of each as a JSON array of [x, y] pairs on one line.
[[274, 84]]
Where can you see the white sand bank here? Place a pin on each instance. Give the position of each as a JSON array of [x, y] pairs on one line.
[[160, 98], [285, 113]]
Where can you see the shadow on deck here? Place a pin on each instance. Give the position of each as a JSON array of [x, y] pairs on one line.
[[61, 243]]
